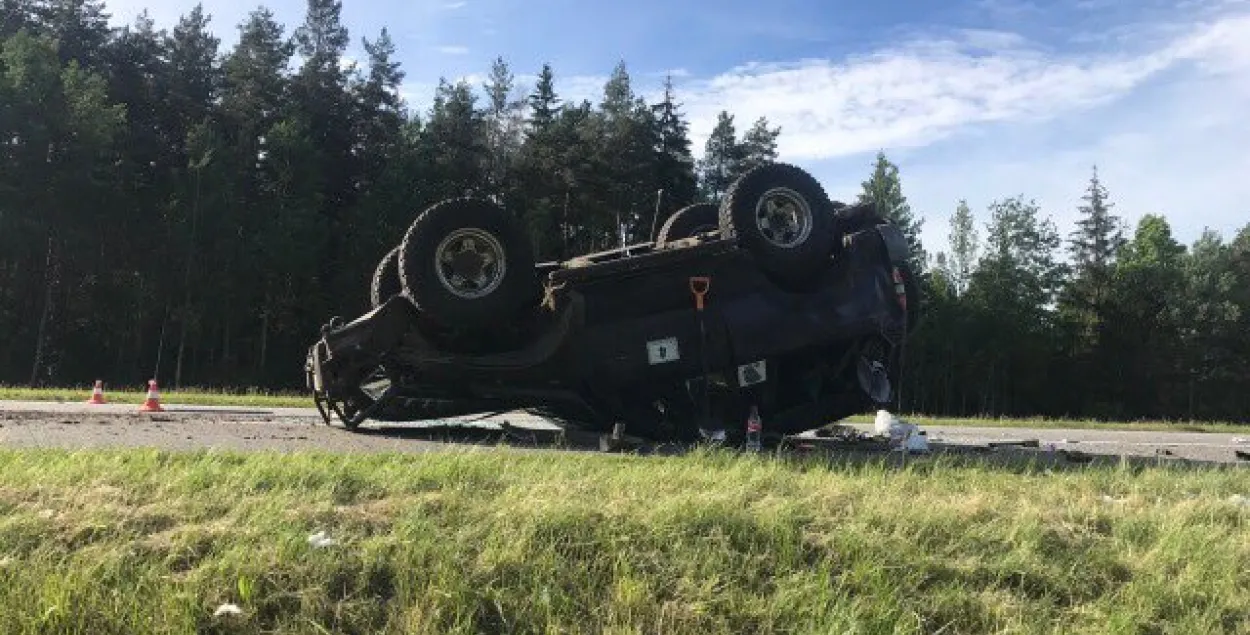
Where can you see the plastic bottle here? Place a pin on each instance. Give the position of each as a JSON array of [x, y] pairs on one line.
[[754, 427]]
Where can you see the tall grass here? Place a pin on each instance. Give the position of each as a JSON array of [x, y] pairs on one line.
[[139, 541]]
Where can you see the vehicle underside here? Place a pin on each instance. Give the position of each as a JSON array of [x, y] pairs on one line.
[[776, 300]]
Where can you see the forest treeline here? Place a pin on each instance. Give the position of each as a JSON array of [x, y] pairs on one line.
[[174, 209]]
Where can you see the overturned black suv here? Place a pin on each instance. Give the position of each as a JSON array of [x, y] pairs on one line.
[[777, 298]]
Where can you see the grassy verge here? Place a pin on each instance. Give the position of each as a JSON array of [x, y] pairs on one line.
[[144, 541], [128, 395]]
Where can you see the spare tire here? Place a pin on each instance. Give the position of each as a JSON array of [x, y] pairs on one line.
[[689, 221], [465, 262], [386, 279], [781, 214]]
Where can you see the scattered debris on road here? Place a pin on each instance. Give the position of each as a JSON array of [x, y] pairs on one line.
[[1024, 443]]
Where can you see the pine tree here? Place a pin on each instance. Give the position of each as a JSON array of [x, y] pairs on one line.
[[722, 156], [505, 119], [1098, 237], [380, 110], [1094, 246], [627, 153], [456, 132], [80, 28], [544, 103], [1083, 302], [618, 93], [884, 190], [384, 78], [758, 146], [675, 166]]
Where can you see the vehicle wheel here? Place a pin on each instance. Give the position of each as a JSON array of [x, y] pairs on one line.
[[386, 279], [689, 221], [782, 215], [466, 262]]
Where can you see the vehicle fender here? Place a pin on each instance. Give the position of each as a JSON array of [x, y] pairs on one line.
[[895, 243]]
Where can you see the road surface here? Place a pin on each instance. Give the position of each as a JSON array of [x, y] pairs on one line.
[[75, 425]]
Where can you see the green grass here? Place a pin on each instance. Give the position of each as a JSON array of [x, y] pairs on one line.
[[136, 395], [144, 541]]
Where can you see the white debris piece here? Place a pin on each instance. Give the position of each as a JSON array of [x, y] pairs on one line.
[[884, 422], [227, 608], [918, 442], [320, 539], [906, 436], [715, 436], [1111, 501], [1238, 499]]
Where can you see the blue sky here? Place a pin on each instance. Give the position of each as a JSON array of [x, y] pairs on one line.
[[974, 99]]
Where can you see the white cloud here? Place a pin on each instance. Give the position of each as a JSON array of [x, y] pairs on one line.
[[453, 49], [452, 6], [1182, 155], [987, 114], [1014, 9], [922, 92]]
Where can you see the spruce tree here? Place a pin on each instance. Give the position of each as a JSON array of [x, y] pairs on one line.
[[544, 102], [884, 190], [675, 171], [758, 146], [721, 157], [1094, 246]]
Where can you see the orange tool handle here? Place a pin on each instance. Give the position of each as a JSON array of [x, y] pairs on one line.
[[699, 286]]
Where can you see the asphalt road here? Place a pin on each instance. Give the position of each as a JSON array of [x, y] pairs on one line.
[[76, 425]]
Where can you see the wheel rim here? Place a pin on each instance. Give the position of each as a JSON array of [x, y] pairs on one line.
[[783, 217], [470, 263]]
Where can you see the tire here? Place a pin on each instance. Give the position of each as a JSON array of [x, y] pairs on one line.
[[386, 283], [795, 244], [688, 221], [471, 227]]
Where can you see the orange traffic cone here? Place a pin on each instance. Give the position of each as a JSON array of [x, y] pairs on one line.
[[153, 402], [97, 393]]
